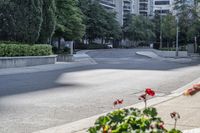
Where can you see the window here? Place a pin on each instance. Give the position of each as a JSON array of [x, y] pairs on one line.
[[162, 11], [162, 2]]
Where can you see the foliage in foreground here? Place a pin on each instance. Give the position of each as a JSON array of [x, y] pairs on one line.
[[131, 120], [10, 50]]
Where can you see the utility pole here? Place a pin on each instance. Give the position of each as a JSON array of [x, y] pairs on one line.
[[160, 27], [177, 31], [71, 48]]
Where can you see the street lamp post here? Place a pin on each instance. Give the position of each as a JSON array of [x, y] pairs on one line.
[[160, 27], [177, 30]]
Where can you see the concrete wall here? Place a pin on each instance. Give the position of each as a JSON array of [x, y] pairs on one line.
[[171, 53], [11, 62], [65, 58]]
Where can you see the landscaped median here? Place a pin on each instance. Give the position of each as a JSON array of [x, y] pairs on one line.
[[21, 55]]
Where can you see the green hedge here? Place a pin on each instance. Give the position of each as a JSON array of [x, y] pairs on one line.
[[91, 46], [10, 50]]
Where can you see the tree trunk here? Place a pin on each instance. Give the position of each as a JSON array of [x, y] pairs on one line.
[[167, 44], [59, 43], [102, 40]]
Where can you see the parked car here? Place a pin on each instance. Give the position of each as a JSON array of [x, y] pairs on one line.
[[110, 46]]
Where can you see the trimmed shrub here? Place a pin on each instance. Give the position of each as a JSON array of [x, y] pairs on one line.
[[65, 50], [91, 46], [10, 50], [181, 48], [97, 46]]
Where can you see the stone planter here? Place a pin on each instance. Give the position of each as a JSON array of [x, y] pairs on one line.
[[65, 58], [24, 61]]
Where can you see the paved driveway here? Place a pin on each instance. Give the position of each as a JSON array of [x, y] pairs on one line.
[[39, 100]]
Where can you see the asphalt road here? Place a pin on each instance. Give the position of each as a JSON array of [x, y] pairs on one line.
[[33, 101]]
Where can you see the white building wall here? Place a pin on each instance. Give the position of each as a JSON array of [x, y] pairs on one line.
[[119, 11], [163, 7]]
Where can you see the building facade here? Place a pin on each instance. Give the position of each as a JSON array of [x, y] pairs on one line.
[[139, 7], [163, 7], [121, 7], [125, 7]]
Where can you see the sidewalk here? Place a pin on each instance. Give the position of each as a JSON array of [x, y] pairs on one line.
[[187, 106], [80, 59]]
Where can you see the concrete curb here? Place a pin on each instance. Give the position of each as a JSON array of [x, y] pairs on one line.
[[26, 61], [81, 126], [146, 54], [196, 130], [153, 55]]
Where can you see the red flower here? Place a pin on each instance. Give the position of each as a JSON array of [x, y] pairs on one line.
[[175, 115], [118, 102], [142, 97], [162, 125], [150, 92], [115, 103], [151, 126]]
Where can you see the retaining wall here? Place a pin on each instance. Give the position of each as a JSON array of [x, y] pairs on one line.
[[170, 53], [23, 61]]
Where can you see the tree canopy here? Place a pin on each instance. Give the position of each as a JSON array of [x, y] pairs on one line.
[[169, 28], [36, 21], [69, 20], [99, 22], [49, 21], [20, 20], [138, 28]]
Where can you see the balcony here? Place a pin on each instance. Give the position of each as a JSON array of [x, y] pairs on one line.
[[144, 9], [108, 4], [143, 1], [126, 7]]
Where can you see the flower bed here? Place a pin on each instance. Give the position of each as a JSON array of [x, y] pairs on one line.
[[133, 120]]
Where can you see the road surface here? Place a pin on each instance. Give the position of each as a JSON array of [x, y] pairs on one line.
[[34, 101]]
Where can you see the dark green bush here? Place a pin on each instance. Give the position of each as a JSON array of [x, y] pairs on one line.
[[97, 46], [80, 46], [181, 48], [10, 50], [90, 46], [65, 50]]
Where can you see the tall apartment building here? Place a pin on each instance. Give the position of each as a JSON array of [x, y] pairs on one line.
[[163, 7], [124, 7], [121, 7], [139, 7], [108, 4], [144, 7]]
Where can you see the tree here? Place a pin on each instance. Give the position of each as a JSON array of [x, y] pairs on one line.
[[157, 23], [20, 20], [138, 28], [69, 20], [186, 15], [49, 21], [99, 22], [169, 28], [113, 29], [95, 23]]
